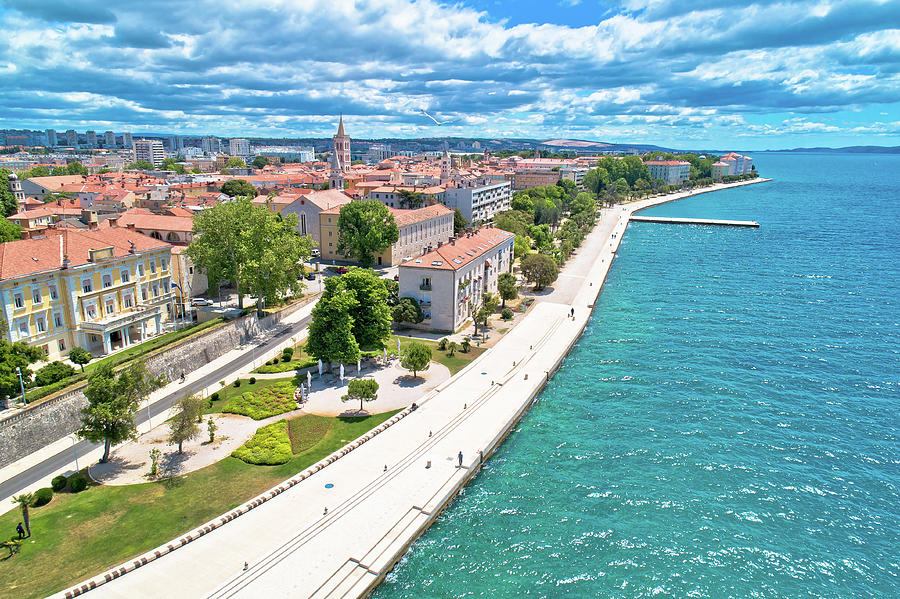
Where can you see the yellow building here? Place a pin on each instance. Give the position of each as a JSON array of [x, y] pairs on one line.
[[102, 289]]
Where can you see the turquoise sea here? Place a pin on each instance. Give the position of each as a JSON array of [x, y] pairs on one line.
[[728, 424]]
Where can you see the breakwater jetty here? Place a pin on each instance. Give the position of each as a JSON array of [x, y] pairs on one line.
[[339, 531], [693, 221]]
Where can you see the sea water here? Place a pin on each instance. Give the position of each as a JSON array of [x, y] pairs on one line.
[[728, 424]]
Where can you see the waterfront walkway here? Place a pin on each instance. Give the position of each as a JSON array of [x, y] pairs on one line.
[[337, 532]]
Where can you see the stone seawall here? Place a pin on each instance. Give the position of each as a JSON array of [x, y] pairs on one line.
[[50, 420]]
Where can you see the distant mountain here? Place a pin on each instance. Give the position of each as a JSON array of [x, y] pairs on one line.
[[574, 143], [846, 150]]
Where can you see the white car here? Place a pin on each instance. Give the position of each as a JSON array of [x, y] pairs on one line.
[[200, 301]]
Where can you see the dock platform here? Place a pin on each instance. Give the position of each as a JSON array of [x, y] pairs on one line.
[[694, 221]]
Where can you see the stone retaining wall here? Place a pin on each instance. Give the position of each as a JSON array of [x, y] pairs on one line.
[[52, 419]]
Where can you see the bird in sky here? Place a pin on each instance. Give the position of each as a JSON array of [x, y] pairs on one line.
[[437, 122]]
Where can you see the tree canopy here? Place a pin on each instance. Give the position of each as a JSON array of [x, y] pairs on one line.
[[459, 222], [13, 355], [9, 231], [184, 425], [365, 227], [79, 355], [331, 330], [8, 205], [238, 187], [140, 165], [363, 390], [416, 357], [235, 162], [408, 310], [371, 315], [260, 161], [507, 287], [539, 269]]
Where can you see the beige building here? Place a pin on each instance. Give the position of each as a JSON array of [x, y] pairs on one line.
[[534, 177], [673, 172], [309, 206], [450, 281], [419, 230]]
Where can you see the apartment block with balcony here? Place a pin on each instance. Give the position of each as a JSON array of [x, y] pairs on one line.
[[673, 172], [450, 281], [481, 201], [102, 289]]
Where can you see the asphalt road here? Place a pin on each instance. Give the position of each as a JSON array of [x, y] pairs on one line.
[[59, 462]]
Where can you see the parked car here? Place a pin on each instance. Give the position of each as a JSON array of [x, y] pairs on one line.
[[396, 277], [201, 301], [342, 270], [310, 276]]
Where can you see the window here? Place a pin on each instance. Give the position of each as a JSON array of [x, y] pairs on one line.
[[23, 329], [153, 267], [144, 295], [61, 344], [155, 291], [19, 300], [91, 311], [127, 301], [36, 295], [165, 264], [107, 281], [329, 233], [110, 306], [126, 276], [40, 324], [87, 285], [54, 295], [57, 320], [190, 270], [141, 270]]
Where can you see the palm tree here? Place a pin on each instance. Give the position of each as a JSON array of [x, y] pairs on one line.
[[24, 501]]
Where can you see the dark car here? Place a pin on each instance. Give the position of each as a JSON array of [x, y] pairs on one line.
[[396, 277], [310, 276]]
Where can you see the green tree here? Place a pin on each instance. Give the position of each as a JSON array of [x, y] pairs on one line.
[[408, 310], [451, 348], [260, 161], [582, 203], [237, 188], [365, 227], [8, 205], [79, 355], [58, 171], [459, 222], [113, 401], [24, 501], [140, 165], [184, 424], [507, 287], [416, 357], [37, 171], [331, 330], [521, 246], [371, 314], [16, 355], [361, 389], [235, 162], [76, 168], [541, 235], [393, 289], [51, 373], [539, 269], [411, 199], [9, 231], [514, 221], [522, 201], [489, 303]]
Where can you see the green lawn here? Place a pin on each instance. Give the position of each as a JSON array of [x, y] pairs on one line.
[[229, 392], [300, 360], [454, 363], [76, 536], [307, 430]]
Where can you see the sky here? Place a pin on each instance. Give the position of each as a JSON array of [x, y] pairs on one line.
[[753, 75]]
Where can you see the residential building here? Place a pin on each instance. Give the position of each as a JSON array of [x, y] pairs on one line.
[[90, 139], [126, 140], [480, 201], [109, 139], [72, 138], [719, 170], [527, 178], [377, 153], [150, 150], [102, 289], [210, 145], [40, 187], [301, 154], [239, 147], [342, 146], [737, 163], [419, 230], [390, 195], [450, 280], [574, 174], [51, 138], [309, 206], [673, 172]]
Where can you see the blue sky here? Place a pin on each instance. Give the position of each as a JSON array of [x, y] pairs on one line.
[[744, 75]]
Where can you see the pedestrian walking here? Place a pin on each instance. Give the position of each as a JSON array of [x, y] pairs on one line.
[[460, 459], [20, 531]]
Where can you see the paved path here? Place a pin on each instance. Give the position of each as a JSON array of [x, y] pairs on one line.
[[293, 546]]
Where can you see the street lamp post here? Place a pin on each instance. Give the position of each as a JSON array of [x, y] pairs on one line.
[[74, 453], [21, 385]]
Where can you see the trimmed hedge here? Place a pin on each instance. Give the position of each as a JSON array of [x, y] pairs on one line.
[[77, 483], [59, 483], [42, 497], [265, 402], [270, 446]]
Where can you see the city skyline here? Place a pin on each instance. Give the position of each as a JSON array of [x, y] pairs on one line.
[[766, 76]]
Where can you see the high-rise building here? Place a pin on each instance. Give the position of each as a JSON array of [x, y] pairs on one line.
[[150, 150], [109, 139], [126, 140], [342, 146], [51, 138], [90, 139], [210, 145], [239, 147], [178, 144], [72, 138]]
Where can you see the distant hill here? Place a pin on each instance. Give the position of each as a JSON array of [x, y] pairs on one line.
[[574, 143], [846, 150]]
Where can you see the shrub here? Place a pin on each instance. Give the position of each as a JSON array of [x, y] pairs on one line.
[[51, 373], [77, 483], [263, 402], [42, 497], [274, 360], [214, 396], [59, 483], [506, 314], [252, 380], [237, 383], [466, 344], [287, 354], [442, 344], [268, 362], [269, 445]]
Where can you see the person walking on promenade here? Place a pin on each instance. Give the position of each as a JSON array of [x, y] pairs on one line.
[[460, 459]]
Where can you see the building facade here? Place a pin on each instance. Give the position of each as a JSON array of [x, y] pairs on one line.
[[102, 289], [239, 147], [150, 150], [673, 172], [450, 281], [737, 163], [479, 202], [534, 177], [308, 208]]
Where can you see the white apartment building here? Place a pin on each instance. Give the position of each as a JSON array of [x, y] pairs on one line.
[[737, 163], [109, 139], [210, 145], [239, 147], [574, 174], [673, 172], [479, 202], [126, 140], [450, 281], [150, 150]]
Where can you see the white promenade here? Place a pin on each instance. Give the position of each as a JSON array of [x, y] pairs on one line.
[[293, 547]]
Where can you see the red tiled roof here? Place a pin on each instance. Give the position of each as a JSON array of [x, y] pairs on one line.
[[667, 163], [32, 256], [409, 217], [156, 222], [455, 255]]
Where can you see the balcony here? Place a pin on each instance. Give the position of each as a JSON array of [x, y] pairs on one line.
[[117, 321], [162, 298], [425, 287]]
